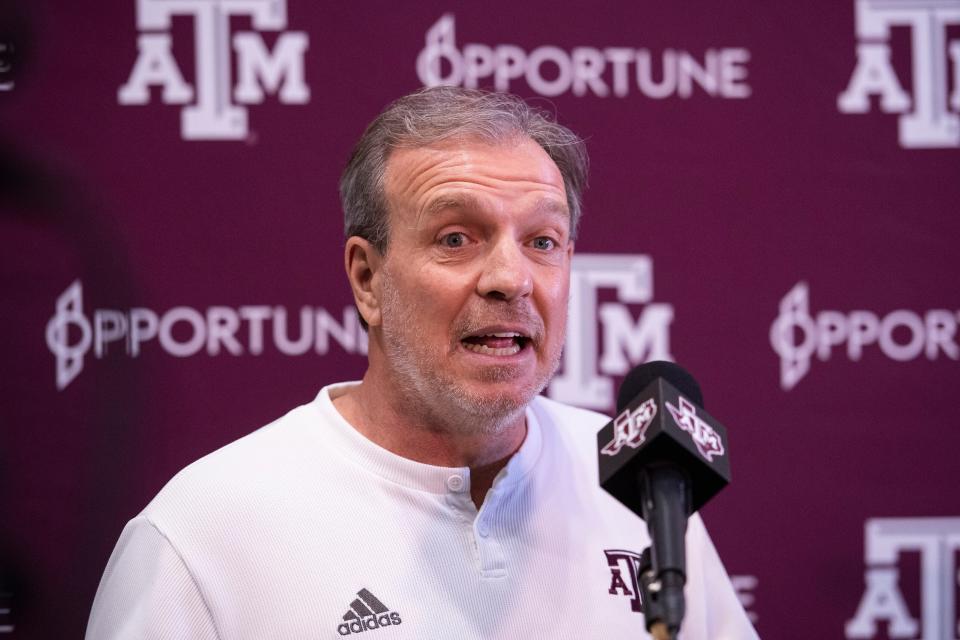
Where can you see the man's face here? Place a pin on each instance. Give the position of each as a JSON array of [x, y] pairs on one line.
[[475, 279]]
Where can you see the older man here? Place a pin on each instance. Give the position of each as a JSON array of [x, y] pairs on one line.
[[439, 497]]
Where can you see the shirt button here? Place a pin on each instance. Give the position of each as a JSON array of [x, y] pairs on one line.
[[455, 483]]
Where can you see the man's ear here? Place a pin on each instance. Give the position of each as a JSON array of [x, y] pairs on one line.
[[362, 262]]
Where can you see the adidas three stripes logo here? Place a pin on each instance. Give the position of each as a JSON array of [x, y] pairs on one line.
[[367, 613]]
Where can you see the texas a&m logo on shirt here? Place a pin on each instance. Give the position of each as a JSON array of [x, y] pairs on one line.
[[624, 573]]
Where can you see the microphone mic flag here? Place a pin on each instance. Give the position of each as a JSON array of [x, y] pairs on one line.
[[661, 419], [663, 457]]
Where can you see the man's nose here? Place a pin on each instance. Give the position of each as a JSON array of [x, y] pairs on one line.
[[506, 272]]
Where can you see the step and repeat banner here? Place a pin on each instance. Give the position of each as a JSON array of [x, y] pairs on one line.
[[773, 203]]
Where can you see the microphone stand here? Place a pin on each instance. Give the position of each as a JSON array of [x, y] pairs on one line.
[[665, 491], [652, 607]]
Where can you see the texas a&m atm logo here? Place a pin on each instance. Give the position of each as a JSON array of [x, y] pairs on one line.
[[214, 110], [630, 427], [708, 441], [883, 603], [929, 115], [624, 576], [623, 340]]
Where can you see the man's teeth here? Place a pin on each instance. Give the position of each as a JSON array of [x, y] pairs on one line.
[[476, 345], [484, 349]]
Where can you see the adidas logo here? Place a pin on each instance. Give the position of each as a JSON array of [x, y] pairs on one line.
[[365, 614]]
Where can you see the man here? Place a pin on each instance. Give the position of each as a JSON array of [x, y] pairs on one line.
[[439, 497]]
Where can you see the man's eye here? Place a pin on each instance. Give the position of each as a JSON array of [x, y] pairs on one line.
[[453, 240], [544, 243]]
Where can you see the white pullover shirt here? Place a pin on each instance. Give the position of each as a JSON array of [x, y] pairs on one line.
[[305, 529]]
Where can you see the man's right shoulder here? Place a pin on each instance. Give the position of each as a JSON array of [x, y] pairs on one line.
[[255, 465]]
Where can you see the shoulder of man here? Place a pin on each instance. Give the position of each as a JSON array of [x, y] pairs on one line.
[[228, 477], [165, 556]]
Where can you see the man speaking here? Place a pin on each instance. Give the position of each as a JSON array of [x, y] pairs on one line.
[[439, 497]]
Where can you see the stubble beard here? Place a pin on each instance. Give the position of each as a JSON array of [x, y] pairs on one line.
[[443, 402]]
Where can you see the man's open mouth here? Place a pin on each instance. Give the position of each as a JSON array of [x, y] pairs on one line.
[[505, 343]]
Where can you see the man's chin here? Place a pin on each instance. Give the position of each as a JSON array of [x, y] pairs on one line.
[[497, 399]]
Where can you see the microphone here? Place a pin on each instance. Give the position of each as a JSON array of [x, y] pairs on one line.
[[663, 457]]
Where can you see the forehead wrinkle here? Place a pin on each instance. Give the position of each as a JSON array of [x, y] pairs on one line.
[[452, 165], [468, 202], [418, 175], [461, 201], [442, 167], [426, 168]]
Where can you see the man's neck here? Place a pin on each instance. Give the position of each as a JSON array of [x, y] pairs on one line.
[[414, 436]]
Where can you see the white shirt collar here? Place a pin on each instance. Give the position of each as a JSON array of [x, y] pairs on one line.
[[417, 475]]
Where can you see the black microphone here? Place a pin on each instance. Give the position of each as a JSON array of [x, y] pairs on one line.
[[663, 457]]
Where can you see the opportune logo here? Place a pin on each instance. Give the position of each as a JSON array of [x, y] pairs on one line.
[[937, 540], [184, 331], [214, 115], [551, 71], [587, 381], [703, 435], [902, 335], [630, 427], [927, 120]]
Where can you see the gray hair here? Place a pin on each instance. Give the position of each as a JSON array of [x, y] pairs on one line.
[[435, 114]]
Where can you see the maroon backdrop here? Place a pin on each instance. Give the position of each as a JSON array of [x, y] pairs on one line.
[[773, 204]]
